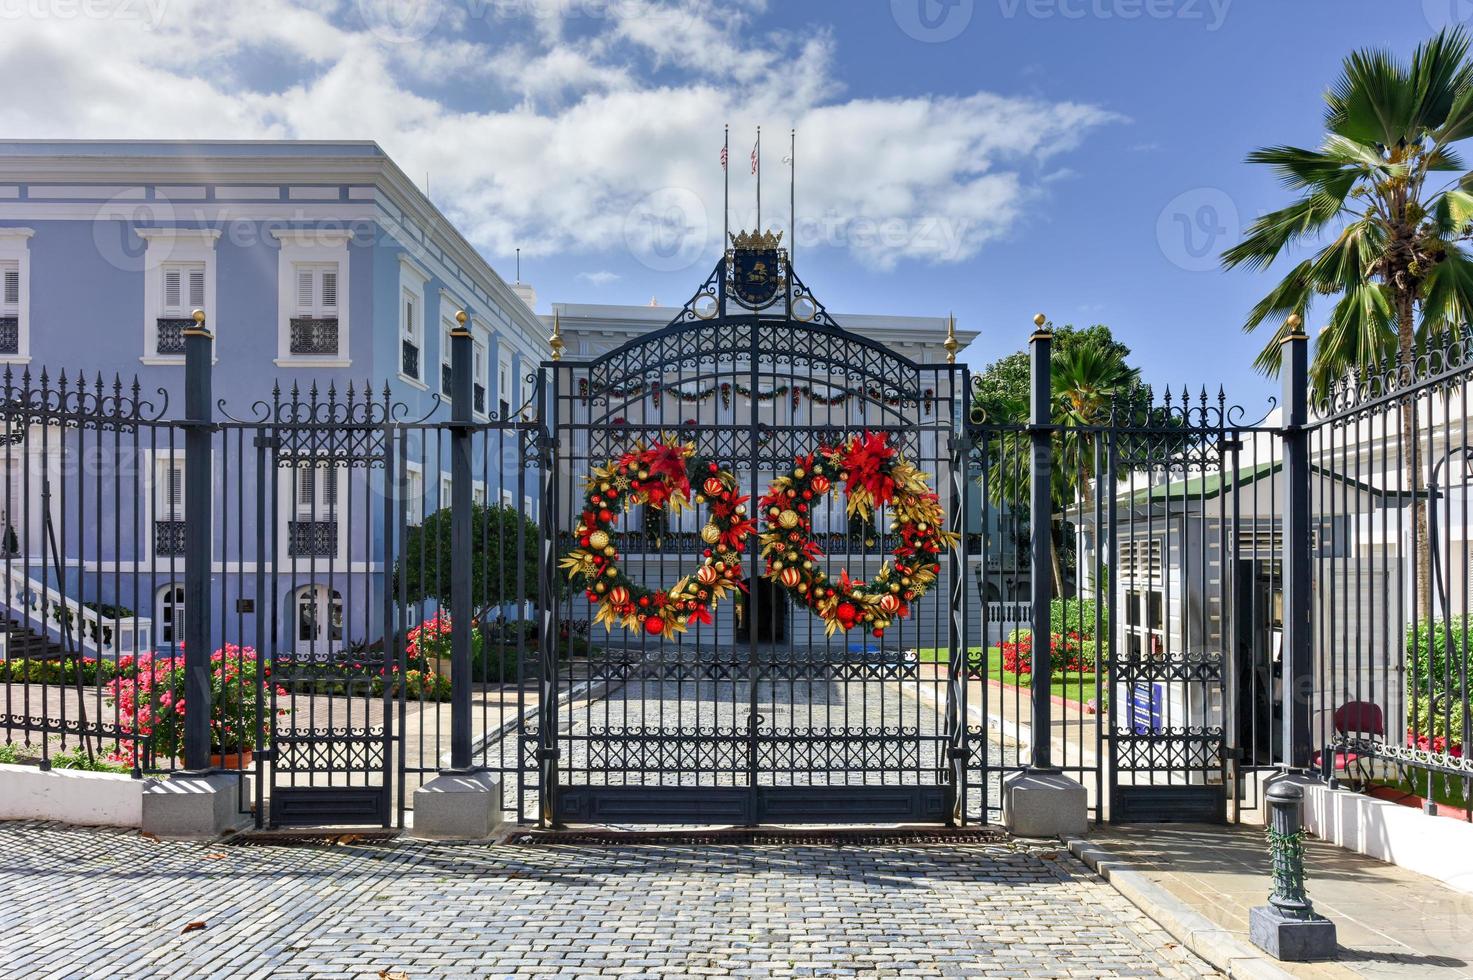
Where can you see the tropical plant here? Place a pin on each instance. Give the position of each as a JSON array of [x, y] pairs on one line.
[[1091, 377], [1439, 696], [504, 546], [149, 693], [1387, 204]]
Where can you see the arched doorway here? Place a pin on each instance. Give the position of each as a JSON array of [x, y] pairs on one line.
[[316, 621], [169, 617]]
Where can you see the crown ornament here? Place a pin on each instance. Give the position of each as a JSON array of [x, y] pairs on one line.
[[757, 240]]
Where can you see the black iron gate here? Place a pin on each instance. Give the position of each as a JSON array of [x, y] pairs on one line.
[[760, 714]]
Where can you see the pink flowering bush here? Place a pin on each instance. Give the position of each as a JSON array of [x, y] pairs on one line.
[[149, 695]]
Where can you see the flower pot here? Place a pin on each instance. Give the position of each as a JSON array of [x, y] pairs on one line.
[[229, 759], [232, 758]]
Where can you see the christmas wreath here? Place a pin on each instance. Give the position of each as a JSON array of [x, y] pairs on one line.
[[658, 476], [874, 474]]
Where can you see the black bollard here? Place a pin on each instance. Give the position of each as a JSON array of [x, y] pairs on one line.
[[1288, 927]]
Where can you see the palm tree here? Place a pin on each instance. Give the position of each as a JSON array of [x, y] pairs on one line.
[[1089, 375], [1387, 201]]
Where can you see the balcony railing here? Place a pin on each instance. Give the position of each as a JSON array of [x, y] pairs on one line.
[[170, 334], [409, 362], [480, 398], [314, 335], [9, 335], [168, 538], [312, 539], [447, 384]]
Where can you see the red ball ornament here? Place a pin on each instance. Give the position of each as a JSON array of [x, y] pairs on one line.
[[618, 595], [713, 486], [654, 625], [706, 575], [820, 484], [790, 577]]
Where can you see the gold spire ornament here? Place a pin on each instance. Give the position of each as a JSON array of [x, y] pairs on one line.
[[950, 343], [556, 340]]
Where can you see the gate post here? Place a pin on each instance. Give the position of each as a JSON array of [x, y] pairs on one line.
[[201, 800], [461, 355], [1298, 538], [198, 468], [1040, 519], [464, 801], [1041, 801]]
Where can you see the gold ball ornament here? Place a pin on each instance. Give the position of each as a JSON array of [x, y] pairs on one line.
[[710, 534], [598, 540], [788, 519]]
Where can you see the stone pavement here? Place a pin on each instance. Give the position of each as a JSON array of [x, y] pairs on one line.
[[1389, 922], [90, 903]]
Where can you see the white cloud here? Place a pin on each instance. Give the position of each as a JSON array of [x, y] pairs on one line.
[[600, 278], [551, 124]]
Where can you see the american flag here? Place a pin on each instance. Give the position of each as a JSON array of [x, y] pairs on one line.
[[725, 156], [756, 156]]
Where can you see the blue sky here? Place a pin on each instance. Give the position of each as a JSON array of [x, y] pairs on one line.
[[989, 157]]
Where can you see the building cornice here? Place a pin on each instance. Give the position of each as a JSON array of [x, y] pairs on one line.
[[88, 162]]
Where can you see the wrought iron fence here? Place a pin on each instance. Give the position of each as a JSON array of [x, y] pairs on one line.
[[1392, 469]]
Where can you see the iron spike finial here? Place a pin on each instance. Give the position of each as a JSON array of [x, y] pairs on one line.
[[950, 343]]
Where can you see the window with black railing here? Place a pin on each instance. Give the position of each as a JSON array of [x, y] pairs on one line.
[[314, 335], [409, 359], [480, 398], [169, 338], [312, 539], [9, 335], [168, 538], [447, 380]]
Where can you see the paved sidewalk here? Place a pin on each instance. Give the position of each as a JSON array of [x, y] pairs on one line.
[[89, 903], [1390, 922]]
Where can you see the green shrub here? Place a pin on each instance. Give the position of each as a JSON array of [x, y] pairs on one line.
[[1078, 616], [9, 753], [1439, 707], [77, 759]]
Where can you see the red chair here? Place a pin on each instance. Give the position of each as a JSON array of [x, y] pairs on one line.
[[1353, 718]]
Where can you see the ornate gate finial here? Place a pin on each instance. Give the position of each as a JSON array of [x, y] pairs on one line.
[[556, 341], [950, 343]]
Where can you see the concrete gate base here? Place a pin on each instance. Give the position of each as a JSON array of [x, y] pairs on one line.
[[458, 806], [192, 807], [1039, 803]]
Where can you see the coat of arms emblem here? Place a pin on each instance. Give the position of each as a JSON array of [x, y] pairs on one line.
[[757, 268]]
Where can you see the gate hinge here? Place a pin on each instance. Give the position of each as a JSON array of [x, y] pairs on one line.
[[545, 445], [548, 754], [1230, 446], [263, 441], [266, 754], [955, 752]]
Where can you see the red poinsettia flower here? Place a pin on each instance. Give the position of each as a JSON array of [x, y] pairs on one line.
[[865, 459]]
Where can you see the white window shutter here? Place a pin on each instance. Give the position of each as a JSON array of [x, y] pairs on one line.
[[174, 491], [306, 488], [304, 290], [12, 285], [330, 490], [196, 288], [171, 289], [409, 315], [330, 289]]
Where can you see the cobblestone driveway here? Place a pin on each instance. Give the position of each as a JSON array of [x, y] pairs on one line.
[[80, 903]]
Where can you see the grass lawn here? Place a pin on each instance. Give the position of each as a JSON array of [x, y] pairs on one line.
[[1446, 790], [1072, 687]]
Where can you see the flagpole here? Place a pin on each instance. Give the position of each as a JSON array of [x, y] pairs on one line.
[[726, 195], [793, 196], [759, 180]]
